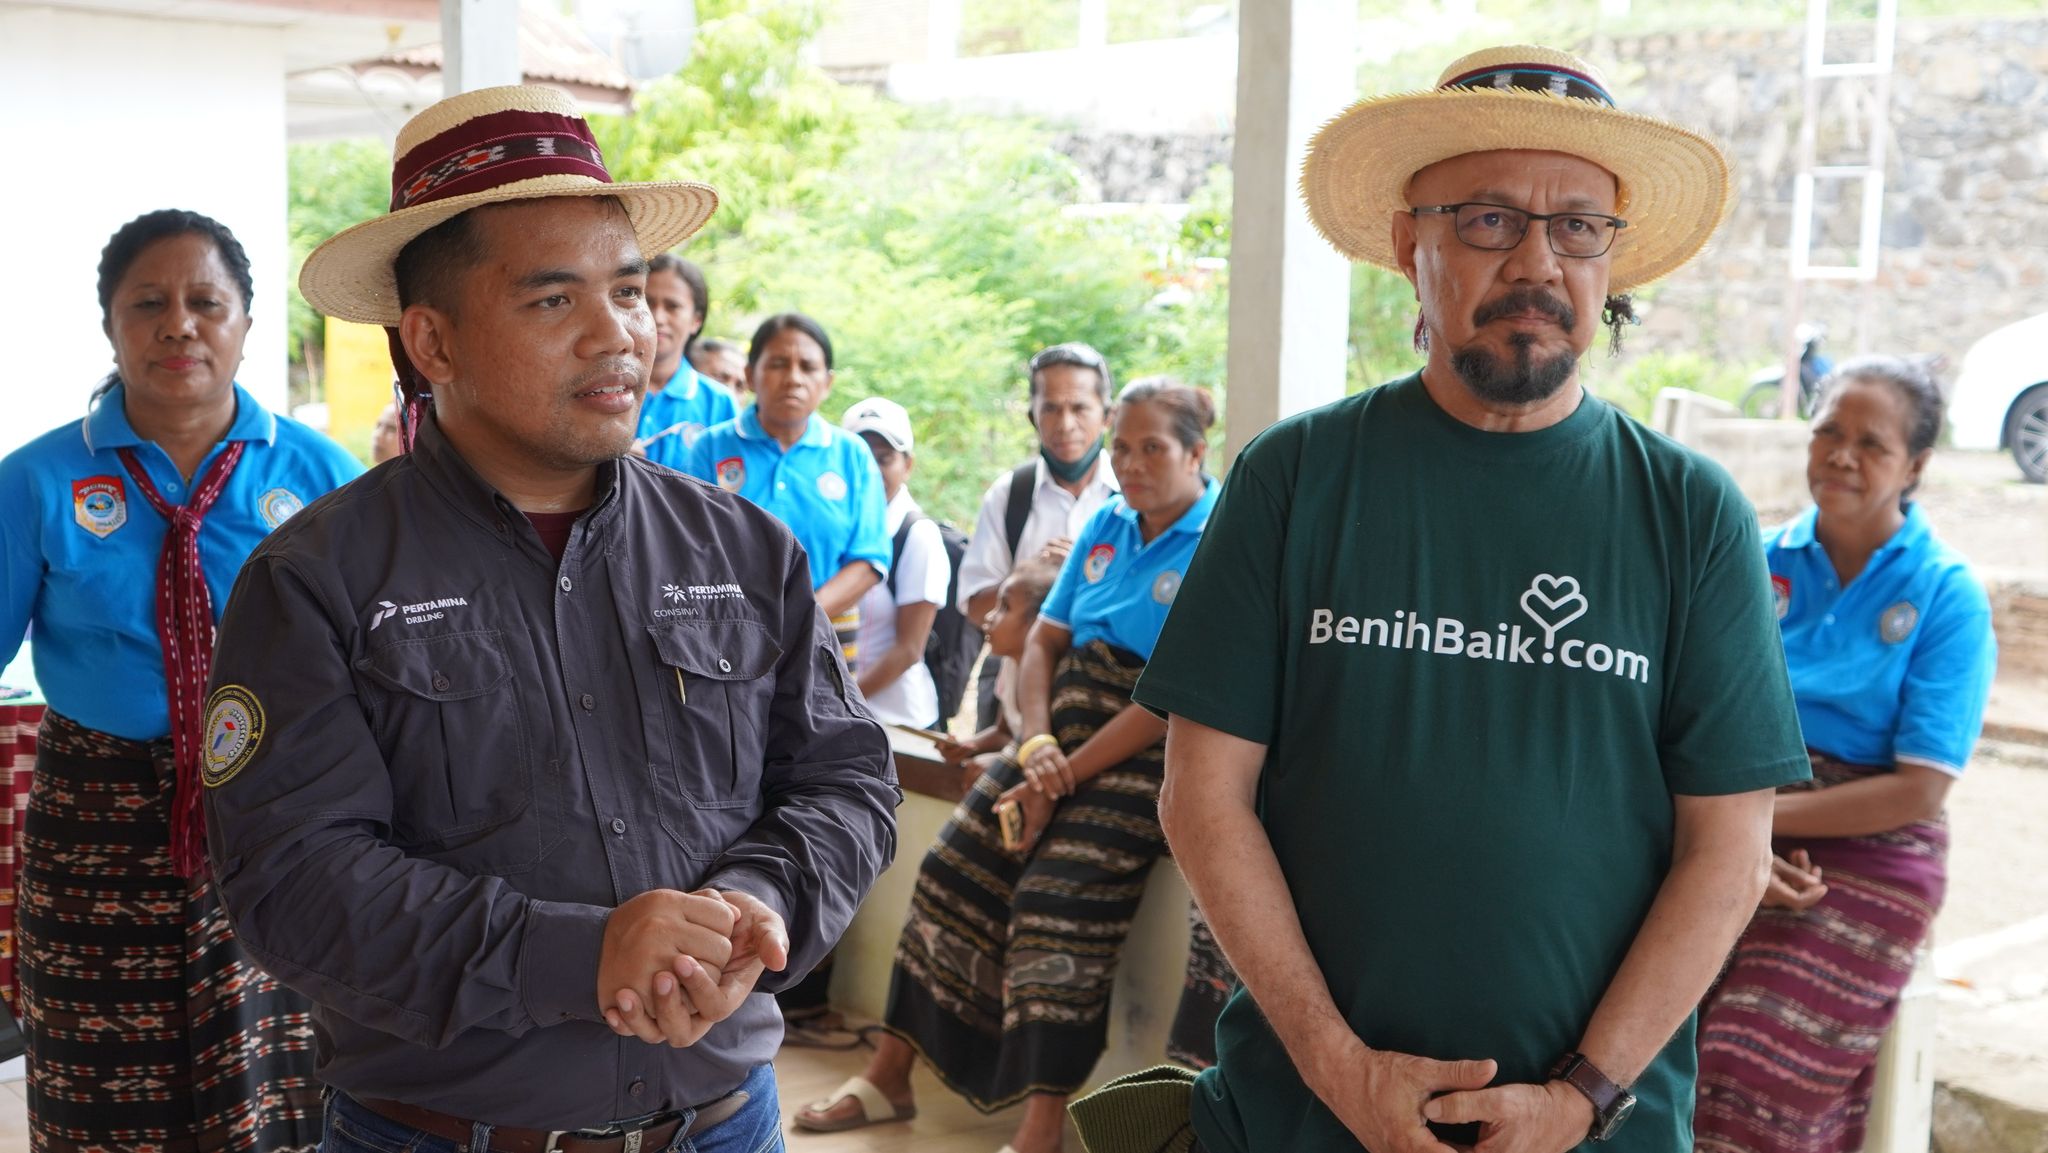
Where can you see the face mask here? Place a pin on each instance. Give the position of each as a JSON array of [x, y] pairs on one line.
[[1071, 473]]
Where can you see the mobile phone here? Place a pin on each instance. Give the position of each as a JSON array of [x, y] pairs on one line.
[[1010, 817]]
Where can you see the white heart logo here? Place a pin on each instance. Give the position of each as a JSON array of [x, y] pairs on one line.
[[1553, 602]]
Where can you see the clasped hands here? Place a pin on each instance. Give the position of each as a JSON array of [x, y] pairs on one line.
[[1387, 1100], [1047, 778], [674, 964]]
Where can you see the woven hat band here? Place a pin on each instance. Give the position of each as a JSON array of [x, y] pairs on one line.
[[493, 150], [1534, 78]]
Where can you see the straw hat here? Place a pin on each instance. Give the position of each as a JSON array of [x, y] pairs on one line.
[[1675, 183], [485, 147]]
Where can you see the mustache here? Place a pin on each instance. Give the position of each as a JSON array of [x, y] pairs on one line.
[[614, 366], [1526, 299]]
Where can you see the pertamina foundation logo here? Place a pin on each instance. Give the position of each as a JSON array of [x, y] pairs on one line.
[[1552, 603]]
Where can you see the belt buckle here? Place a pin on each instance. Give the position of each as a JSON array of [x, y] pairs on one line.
[[555, 1140]]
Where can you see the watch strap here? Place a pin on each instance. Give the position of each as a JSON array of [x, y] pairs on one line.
[[1575, 1070]]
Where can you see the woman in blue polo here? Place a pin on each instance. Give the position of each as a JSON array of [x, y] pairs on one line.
[[1888, 639], [680, 403], [120, 536], [819, 479], [1003, 972]]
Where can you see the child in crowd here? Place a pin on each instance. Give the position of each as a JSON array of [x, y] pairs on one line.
[[1007, 624]]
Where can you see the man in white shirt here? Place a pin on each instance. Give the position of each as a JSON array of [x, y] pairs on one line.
[[1068, 479], [896, 614]]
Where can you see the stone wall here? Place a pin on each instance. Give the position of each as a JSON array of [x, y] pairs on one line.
[[1965, 228], [1127, 167]]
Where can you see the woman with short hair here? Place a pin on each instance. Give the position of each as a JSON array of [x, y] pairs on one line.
[[1888, 639], [120, 535]]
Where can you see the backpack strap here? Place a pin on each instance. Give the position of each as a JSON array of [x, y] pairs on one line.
[[896, 548], [1023, 485]]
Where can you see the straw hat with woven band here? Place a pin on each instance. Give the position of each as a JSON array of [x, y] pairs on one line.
[[1675, 183], [485, 147]]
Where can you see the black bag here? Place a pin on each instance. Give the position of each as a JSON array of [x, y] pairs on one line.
[[954, 642]]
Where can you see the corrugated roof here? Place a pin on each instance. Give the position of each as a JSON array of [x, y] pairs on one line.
[[551, 49]]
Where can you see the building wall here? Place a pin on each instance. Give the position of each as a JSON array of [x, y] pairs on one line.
[[1965, 229], [117, 116]]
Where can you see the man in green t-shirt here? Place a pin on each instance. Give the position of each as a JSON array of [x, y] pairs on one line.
[[1476, 692]]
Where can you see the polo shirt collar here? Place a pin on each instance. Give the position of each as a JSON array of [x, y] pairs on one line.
[[817, 434], [684, 382], [106, 426], [1193, 520], [1799, 534]]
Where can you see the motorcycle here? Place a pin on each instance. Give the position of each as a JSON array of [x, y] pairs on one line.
[[1767, 385]]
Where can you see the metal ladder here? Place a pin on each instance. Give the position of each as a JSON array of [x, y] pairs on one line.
[[1817, 71]]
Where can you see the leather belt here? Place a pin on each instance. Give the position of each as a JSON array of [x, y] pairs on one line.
[[507, 1139]]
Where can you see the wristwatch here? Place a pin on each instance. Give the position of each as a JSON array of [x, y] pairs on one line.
[[1611, 1103]]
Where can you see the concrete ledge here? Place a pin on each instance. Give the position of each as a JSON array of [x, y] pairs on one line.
[[1966, 1121]]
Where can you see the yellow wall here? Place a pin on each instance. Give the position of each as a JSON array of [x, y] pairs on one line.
[[358, 379]]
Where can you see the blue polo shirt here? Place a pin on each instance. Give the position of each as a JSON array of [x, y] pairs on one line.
[[1114, 587], [688, 400], [80, 546], [826, 487], [1895, 667]]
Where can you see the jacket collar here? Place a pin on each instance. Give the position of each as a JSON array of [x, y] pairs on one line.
[[446, 470]]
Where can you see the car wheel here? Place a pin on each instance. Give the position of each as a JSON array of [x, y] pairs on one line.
[[2026, 430]]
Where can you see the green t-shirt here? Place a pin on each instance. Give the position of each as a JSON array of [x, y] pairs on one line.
[[1482, 664]]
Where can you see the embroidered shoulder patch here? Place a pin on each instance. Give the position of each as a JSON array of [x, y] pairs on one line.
[[234, 727]]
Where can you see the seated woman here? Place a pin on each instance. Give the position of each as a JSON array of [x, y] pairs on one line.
[[1003, 972], [1888, 638], [1007, 627], [820, 480]]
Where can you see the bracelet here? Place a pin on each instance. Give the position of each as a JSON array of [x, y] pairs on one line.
[[1030, 748]]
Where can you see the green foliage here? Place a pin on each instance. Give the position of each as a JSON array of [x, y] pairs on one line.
[[333, 184], [939, 251], [1631, 383]]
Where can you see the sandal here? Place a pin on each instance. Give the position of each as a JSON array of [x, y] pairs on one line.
[[875, 1109]]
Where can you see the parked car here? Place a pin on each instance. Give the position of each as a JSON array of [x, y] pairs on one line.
[[2001, 396]]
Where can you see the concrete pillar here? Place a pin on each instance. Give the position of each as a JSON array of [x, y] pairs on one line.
[[942, 32], [479, 44], [1094, 32], [1290, 293]]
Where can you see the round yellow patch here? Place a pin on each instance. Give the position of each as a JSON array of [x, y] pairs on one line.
[[234, 727]]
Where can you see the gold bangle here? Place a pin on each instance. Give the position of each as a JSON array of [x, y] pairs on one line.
[[1030, 748]]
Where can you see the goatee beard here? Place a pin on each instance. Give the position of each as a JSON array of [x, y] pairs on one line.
[[1522, 383]]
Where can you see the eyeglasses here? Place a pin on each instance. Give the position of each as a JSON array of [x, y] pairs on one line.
[[1498, 228]]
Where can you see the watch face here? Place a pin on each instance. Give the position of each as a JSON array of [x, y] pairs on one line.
[[1611, 1124]]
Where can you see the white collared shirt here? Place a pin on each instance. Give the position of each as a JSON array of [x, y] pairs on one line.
[[919, 577], [1055, 513]]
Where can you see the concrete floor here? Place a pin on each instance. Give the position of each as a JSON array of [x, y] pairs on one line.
[[943, 1124]]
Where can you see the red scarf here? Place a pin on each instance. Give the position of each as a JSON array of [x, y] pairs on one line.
[[184, 627]]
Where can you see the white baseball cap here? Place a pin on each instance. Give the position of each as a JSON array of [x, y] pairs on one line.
[[883, 417]]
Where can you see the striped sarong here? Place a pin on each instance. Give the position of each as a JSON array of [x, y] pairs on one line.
[[846, 630], [1788, 1037], [149, 1031], [1003, 972]]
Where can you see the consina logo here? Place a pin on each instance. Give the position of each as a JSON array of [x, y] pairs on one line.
[[1551, 602]]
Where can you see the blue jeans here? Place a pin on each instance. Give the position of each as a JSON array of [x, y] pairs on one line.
[[756, 1128]]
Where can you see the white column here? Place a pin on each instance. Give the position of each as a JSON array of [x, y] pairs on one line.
[[479, 44], [1290, 294], [1094, 32]]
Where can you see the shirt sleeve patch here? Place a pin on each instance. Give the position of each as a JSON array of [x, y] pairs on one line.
[[234, 727]]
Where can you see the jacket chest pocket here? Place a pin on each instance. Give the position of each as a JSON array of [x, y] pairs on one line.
[[465, 788], [716, 678]]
